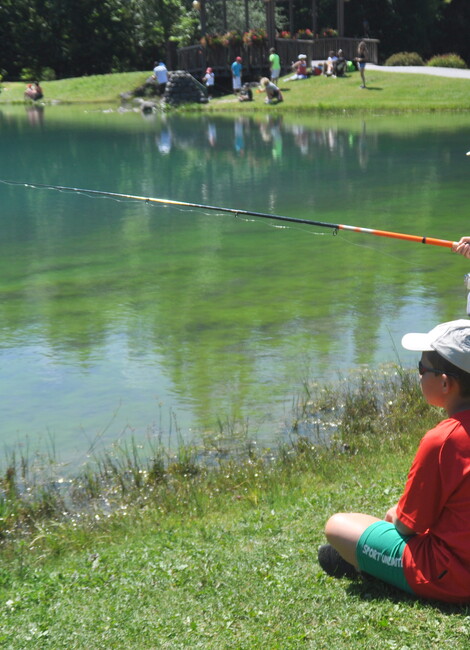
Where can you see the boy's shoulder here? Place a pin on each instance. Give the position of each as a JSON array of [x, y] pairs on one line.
[[456, 427]]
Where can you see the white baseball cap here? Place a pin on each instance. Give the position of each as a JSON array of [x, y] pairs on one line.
[[451, 340]]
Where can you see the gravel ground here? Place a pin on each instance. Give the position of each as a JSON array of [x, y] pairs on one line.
[[418, 69], [456, 73]]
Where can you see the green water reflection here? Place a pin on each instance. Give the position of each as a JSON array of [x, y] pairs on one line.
[[118, 317]]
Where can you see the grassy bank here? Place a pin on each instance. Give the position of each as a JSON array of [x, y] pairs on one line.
[[177, 554], [386, 92]]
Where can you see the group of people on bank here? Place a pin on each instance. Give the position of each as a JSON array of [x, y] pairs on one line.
[[336, 65]]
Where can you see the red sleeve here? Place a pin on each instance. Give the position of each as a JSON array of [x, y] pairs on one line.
[[429, 483]]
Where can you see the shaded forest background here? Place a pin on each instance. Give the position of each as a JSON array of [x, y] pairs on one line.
[[68, 38]]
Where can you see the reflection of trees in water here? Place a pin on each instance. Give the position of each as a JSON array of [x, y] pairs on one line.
[[225, 306]]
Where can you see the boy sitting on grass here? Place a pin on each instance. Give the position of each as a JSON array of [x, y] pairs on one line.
[[423, 544]]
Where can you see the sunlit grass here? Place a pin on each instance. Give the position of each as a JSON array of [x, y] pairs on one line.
[[386, 91], [93, 89], [172, 553]]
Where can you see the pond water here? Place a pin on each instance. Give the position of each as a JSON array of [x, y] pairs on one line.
[[122, 318]]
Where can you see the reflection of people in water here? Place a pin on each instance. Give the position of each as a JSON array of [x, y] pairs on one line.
[[33, 91], [301, 138], [239, 136], [276, 140], [211, 134], [164, 140], [35, 115], [362, 153]]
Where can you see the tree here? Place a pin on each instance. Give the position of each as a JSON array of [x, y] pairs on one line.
[[453, 35]]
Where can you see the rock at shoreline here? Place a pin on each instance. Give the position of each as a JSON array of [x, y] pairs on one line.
[[183, 88]]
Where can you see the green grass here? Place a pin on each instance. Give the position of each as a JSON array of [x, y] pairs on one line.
[[226, 557], [96, 89], [386, 92]]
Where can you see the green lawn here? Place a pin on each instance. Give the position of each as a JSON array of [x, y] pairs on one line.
[[385, 91]]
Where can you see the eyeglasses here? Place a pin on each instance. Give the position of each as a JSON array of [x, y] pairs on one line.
[[422, 369]]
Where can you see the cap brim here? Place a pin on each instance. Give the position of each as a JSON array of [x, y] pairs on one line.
[[417, 341]]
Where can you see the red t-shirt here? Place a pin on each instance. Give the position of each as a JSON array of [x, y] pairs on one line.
[[436, 504]]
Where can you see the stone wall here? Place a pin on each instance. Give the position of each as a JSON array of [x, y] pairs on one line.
[[183, 88]]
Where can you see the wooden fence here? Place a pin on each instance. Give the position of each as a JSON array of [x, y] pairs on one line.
[[196, 58]]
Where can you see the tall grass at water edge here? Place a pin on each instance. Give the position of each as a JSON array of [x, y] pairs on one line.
[[358, 416]]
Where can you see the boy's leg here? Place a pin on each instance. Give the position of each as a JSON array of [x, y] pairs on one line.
[[344, 530], [377, 544]]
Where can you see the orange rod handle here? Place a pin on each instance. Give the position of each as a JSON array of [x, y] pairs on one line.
[[398, 235]]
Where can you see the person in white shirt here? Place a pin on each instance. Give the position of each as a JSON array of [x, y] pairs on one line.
[[160, 73]]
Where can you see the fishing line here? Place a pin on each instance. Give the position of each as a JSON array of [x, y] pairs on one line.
[[433, 241]]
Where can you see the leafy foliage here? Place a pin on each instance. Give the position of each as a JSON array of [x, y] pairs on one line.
[[405, 58], [447, 61], [83, 37]]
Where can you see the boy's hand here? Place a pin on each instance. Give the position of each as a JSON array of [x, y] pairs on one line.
[[391, 516], [463, 247]]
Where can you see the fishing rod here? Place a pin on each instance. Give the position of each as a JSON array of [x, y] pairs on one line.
[[433, 241]]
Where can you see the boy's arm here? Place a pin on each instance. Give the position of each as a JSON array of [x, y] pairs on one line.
[[391, 516]]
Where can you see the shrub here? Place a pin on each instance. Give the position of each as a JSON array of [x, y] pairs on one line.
[[47, 74], [233, 37], [405, 58], [447, 61], [44, 74], [255, 36], [328, 32], [28, 74], [304, 34]]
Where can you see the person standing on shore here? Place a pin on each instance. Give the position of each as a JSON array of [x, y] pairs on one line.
[[237, 75], [361, 60], [274, 65], [209, 81], [160, 73]]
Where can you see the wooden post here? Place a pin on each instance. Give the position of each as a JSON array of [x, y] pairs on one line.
[[340, 17], [270, 21], [203, 17], [314, 17]]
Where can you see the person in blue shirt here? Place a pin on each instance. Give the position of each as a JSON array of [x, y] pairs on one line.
[[237, 74]]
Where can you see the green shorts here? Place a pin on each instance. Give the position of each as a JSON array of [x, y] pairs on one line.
[[379, 552]]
